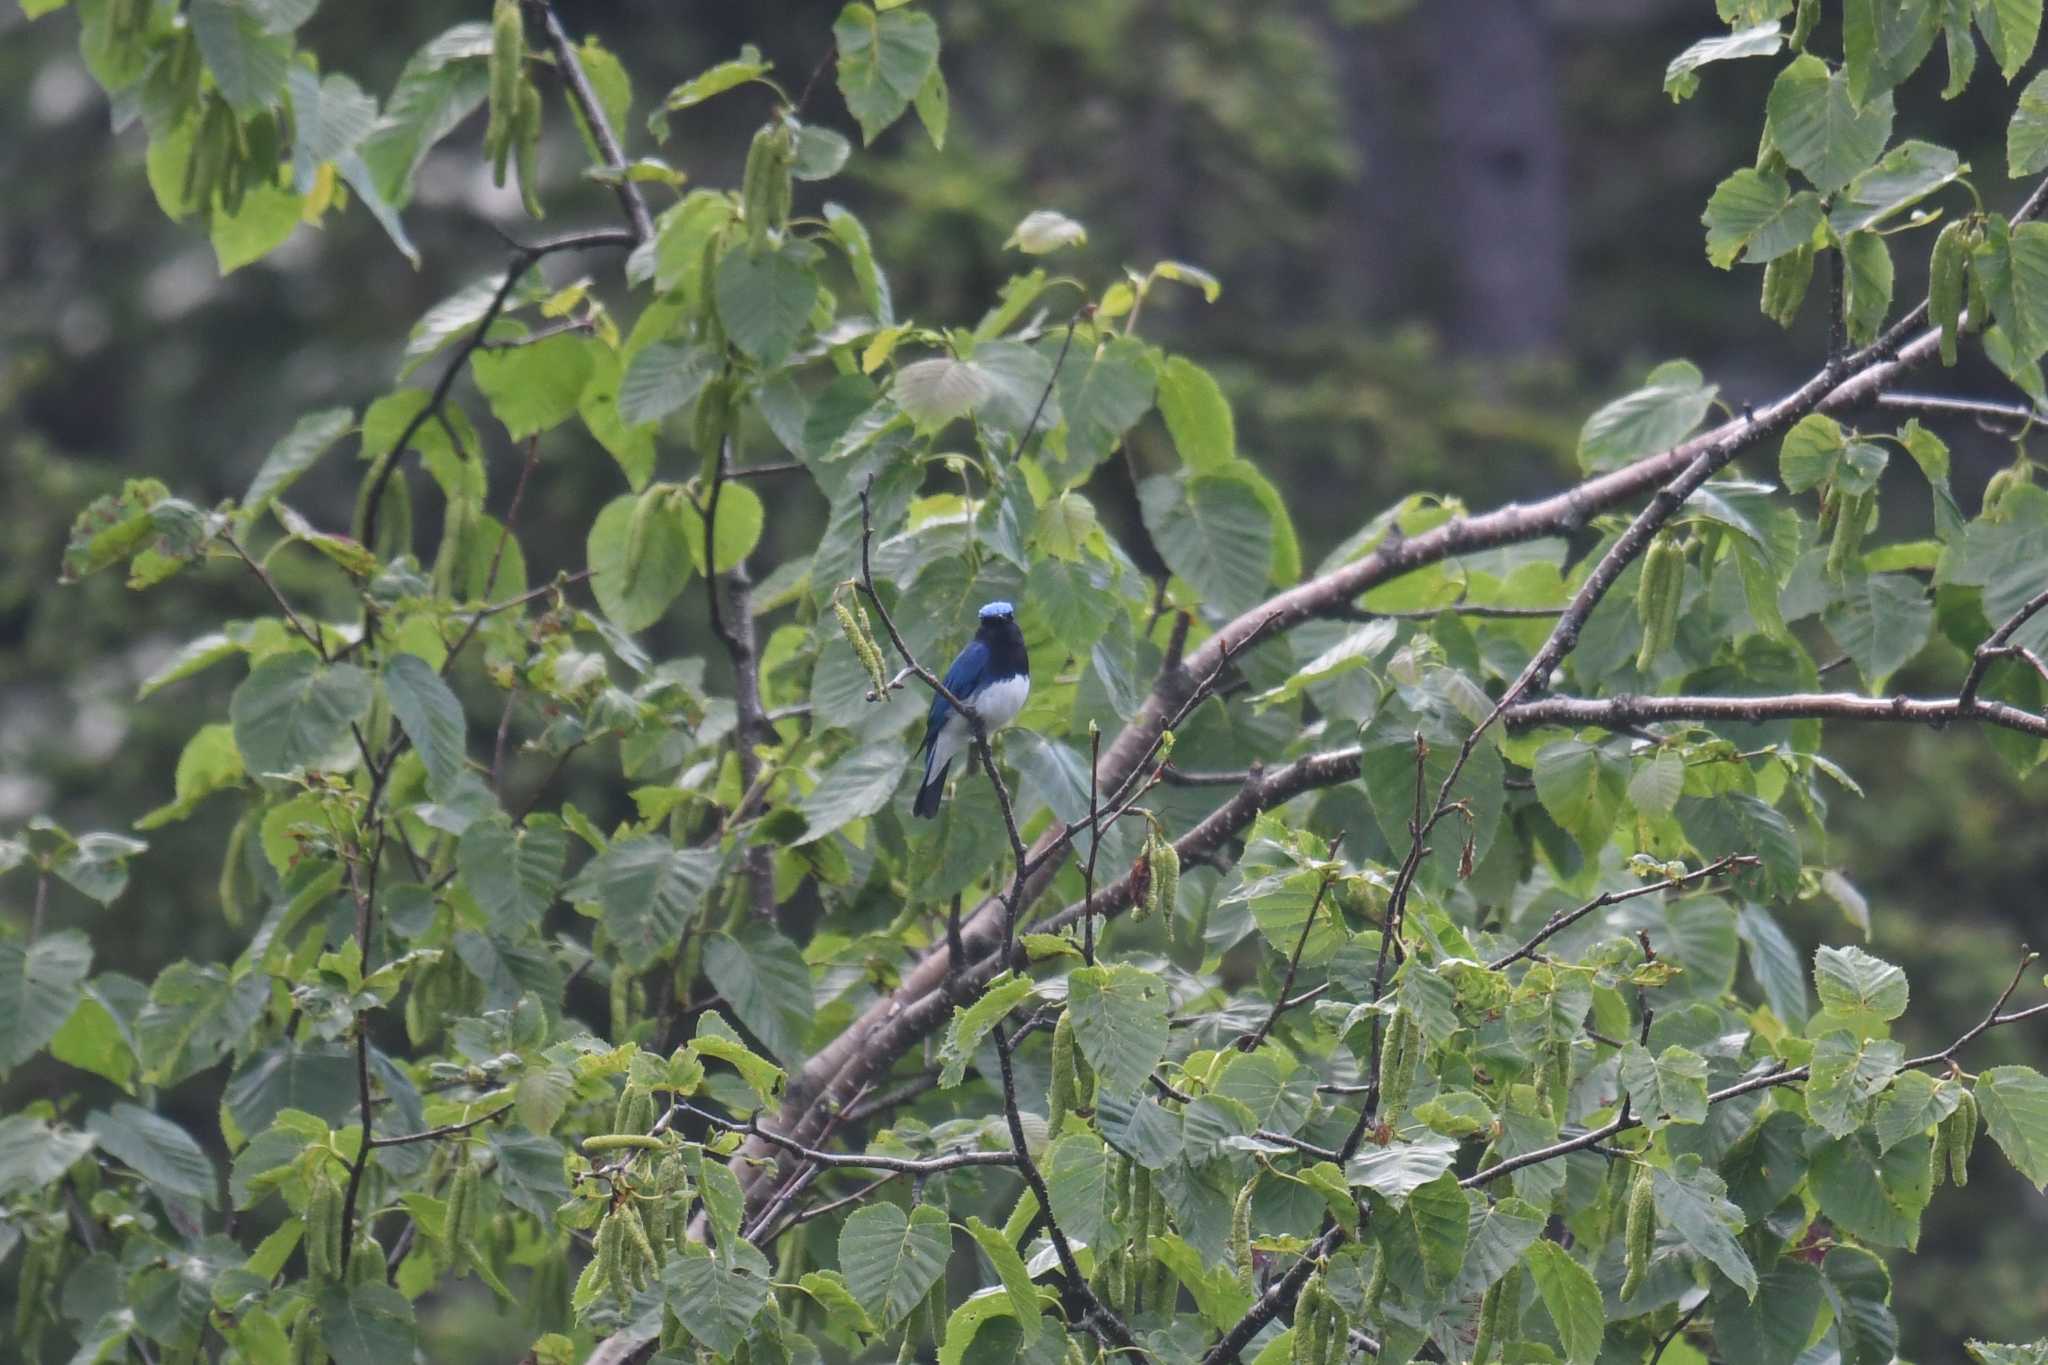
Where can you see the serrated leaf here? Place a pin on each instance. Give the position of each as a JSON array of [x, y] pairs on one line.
[[1402, 1167], [1010, 1269], [662, 378], [1754, 216], [891, 1261], [1847, 1073], [645, 889], [1851, 980], [1820, 128], [1667, 1088], [534, 388], [971, 1023], [1877, 1197], [1214, 532], [860, 783], [1120, 1021], [2010, 28], [1882, 621], [432, 718], [1758, 40], [2014, 1102], [883, 62], [1693, 1203], [158, 1150], [941, 389], [294, 711], [716, 1297], [764, 299], [762, 976], [1045, 230], [1571, 1298], [1197, 416], [1902, 177], [1673, 400], [39, 985], [295, 453]]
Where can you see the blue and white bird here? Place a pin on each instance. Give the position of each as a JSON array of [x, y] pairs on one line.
[[993, 675]]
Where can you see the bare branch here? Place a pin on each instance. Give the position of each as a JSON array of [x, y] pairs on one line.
[[1621, 712], [1564, 919], [594, 118]]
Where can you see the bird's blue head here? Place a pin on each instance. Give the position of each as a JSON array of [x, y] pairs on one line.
[[997, 611]]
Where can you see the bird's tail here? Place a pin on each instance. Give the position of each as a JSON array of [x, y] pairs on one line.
[[927, 803]]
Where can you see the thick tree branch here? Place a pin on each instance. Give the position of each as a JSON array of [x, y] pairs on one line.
[[1618, 713]]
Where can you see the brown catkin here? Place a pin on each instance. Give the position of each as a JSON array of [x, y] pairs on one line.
[[1640, 1232]]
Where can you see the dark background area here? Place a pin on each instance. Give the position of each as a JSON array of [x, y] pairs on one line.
[[1444, 234]]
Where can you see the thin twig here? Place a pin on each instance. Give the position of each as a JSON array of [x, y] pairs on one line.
[[1616, 712], [594, 118], [299, 627], [1563, 920], [1250, 1042], [445, 1130]]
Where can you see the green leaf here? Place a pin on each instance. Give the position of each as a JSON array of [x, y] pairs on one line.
[[1992, 1353], [370, 1324], [1120, 1020], [664, 378], [293, 455], [740, 519], [891, 1261], [1901, 178], [1912, 1104], [1673, 400], [1077, 1177], [1043, 231], [530, 1172], [1403, 1166], [35, 1154], [247, 64], [727, 75], [1214, 533], [1102, 395], [1774, 962], [971, 1023], [157, 1150], [99, 1037], [510, 872], [1016, 1279], [715, 1296], [1754, 216], [1867, 285], [1197, 415], [293, 711], [1774, 1327], [542, 1096], [1882, 621], [1570, 1297], [2014, 267], [940, 390], [1883, 41], [39, 986], [763, 977], [1693, 1203], [1819, 127], [884, 60], [1758, 40], [534, 388], [765, 298], [1218, 1296], [645, 889], [1851, 980], [1430, 1231], [442, 84], [267, 216], [111, 528], [1665, 1089], [2014, 1101], [2026, 137], [716, 1038], [2010, 28], [1582, 786], [1738, 823], [935, 106], [860, 783], [1872, 1196], [860, 257], [636, 595], [1848, 1073], [1859, 1291], [432, 719]]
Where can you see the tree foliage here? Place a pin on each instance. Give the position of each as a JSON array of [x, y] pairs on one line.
[[1381, 955]]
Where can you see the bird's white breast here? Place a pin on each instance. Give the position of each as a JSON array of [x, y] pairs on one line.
[[999, 702]]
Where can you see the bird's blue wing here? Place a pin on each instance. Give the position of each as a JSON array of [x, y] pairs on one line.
[[963, 679]]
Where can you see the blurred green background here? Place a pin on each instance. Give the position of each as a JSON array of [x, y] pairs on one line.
[[1445, 233]]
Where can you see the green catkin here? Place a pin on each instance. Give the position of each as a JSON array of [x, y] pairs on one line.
[[1159, 1292], [1947, 287], [306, 1345], [1658, 593], [323, 1229], [37, 1272], [1308, 1322], [621, 1005], [1496, 1313], [1064, 1097], [1851, 521], [1397, 1066], [1336, 1330], [611, 1259], [673, 1339], [639, 1247], [1962, 1138], [1640, 1232], [366, 1262], [1375, 1288], [1138, 1217], [1241, 1235], [507, 68], [1980, 290]]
